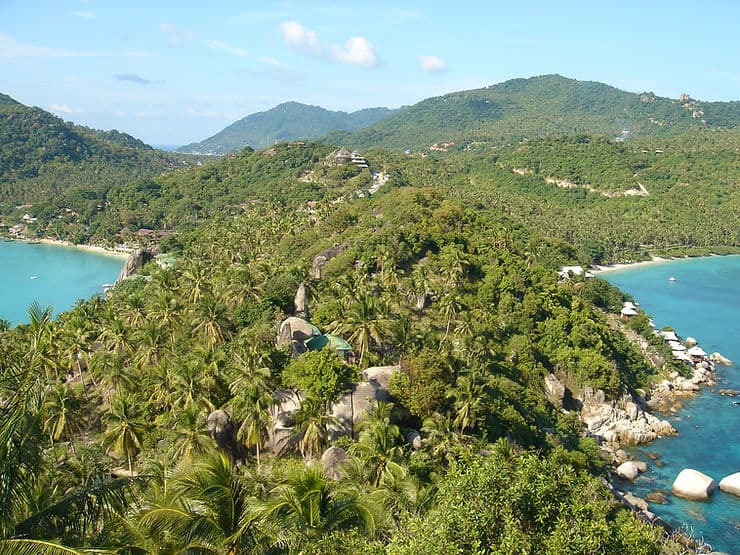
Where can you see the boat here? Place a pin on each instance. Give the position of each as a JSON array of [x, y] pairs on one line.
[[671, 278], [34, 277]]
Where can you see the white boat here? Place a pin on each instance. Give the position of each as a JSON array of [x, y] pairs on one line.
[[671, 278]]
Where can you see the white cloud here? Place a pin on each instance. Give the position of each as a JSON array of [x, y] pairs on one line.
[[297, 36], [84, 15], [174, 35], [219, 45], [356, 51], [11, 48], [432, 63]]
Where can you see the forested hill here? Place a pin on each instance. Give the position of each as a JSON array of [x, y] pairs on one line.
[[539, 106], [286, 122], [42, 156]]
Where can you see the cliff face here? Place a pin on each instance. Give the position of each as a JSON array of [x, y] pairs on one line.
[[135, 262]]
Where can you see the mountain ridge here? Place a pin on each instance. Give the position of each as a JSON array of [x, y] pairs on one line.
[[545, 105], [285, 122]]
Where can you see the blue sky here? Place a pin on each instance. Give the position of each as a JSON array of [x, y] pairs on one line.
[[177, 72]]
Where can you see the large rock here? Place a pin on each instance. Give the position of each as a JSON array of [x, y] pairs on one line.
[[352, 407], [624, 419], [627, 470], [223, 431], [135, 262], [731, 484], [332, 461], [554, 390], [300, 302], [719, 359], [694, 485], [320, 260]]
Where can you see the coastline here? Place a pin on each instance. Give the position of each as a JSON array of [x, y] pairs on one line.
[[598, 269], [97, 249], [697, 423]]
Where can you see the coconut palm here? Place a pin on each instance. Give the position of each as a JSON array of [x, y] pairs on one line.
[[379, 442], [61, 412], [205, 507], [125, 429], [212, 322], [307, 506], [312, 428], [252, 406]]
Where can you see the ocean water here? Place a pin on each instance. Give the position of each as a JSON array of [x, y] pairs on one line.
[[703, 302], [52, 275]]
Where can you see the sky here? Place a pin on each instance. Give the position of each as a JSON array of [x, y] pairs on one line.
[[171, 73]]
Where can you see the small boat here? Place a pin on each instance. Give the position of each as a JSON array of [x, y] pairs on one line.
[[34, 277], [671, 278]]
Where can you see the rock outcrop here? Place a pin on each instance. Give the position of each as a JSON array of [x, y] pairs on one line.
[[623, 420], [223, 431], [731, 484], [554, 390], [352, 407], [332, 461], [135, 262], [719, 359], [694, 485], [320, 260], [627, 470], [300, 302], [295, 331]]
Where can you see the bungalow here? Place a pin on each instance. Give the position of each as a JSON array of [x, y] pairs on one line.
[[696, 353], [628, 310]]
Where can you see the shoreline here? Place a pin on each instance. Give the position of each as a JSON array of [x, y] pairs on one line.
[[599, 269], [96, 249], [617, 266]]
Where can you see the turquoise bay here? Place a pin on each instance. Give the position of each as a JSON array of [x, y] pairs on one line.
[[52, 275], [703, 302]]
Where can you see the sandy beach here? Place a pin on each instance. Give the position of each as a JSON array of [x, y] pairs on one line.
[[623, 265], [90, 248]]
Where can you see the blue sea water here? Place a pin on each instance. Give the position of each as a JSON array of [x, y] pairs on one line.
[[703, 302], [52, 275]]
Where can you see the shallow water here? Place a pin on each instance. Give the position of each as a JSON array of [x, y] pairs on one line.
[[703, 302], [52, 275]]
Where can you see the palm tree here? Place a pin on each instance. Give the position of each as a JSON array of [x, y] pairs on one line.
[[191, 435], [307, 506], [125, 429], [205, 507], [365, 322], [252, 407], [61, 412], [312, 428], [212, 321], [468, 402], [379, 442]]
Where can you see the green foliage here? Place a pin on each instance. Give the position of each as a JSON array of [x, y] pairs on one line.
[[322, 375], [524, 504], [522, 109]]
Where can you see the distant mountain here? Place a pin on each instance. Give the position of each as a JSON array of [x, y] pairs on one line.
[[289, 121], [547, 105]]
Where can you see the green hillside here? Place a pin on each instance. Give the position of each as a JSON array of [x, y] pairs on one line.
[[104, 410], [44, 159], [289, 121], [520, 109]]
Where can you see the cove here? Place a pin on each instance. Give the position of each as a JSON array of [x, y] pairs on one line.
[[703, 302], [52, 275]]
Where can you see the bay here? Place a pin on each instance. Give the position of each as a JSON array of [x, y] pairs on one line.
[[52, 275], [703, 302]]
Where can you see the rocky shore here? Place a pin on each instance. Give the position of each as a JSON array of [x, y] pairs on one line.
[[631, 419]]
